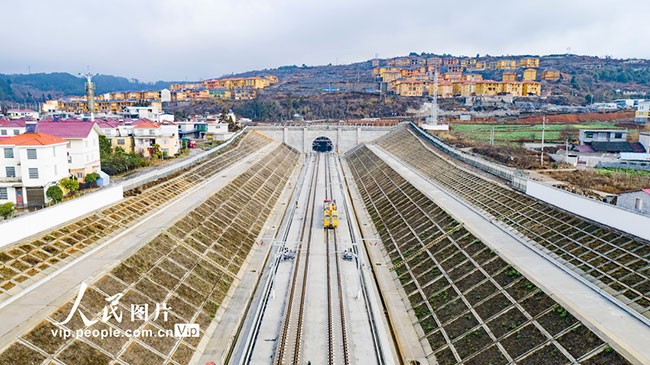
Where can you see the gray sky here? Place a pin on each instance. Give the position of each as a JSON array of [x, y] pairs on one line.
[[198, 39]]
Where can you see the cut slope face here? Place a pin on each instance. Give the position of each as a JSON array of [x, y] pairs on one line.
[[472, 307], [190, 266], [32, 259], [616, 262]]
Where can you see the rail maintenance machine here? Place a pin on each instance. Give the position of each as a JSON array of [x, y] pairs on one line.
[[330, 214]]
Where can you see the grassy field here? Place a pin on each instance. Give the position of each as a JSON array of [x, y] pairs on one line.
[[517, 133]]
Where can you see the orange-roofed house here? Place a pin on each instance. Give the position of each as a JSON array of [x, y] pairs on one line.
[[147, 134], [29, 164]]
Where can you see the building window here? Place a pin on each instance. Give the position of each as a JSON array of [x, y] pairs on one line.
[[80, 175], [3, 194], [33, 173], [638, 204], [618, 135], [589, 134], [16, 132], [152, 132], [31, 153], [3, 132], [11, 171], [121, 142], [9, 153]]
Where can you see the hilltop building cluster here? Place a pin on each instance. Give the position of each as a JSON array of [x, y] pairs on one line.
[[414, 76], [239, 88]]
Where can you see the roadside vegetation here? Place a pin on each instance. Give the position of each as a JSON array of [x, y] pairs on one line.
[[118, 161], [613, 181]]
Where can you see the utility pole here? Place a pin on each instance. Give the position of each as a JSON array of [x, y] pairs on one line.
[[541, 155], [90, 93], [492, 136]]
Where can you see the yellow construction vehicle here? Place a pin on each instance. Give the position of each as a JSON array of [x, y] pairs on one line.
[[330, 214]]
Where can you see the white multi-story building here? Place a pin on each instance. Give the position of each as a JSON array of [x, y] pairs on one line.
[[217, 131], [642, 112], [22, 114], [146, 134], [142, 112], [29, 164], [83, 144], [10, 128]]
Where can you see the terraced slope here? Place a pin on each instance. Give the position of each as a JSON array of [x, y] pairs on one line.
[[472, 307], [190, 267], [614, 261], [37, 257]]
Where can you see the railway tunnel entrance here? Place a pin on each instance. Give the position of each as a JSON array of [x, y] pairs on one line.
[[322, 144]]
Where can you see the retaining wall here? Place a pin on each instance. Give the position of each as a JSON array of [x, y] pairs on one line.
[[19, 228], [606, 214], [159, 173], [517, 178]]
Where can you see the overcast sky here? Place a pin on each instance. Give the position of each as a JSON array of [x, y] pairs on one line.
[[198, 39]]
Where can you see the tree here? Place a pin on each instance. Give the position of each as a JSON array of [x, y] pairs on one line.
[[92, 178], [54, 193], [105, 148], [155, 151], [6, 210], [70, 185], [589, 98]]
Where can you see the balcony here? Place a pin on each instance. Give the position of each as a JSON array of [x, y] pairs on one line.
[[10, 180]]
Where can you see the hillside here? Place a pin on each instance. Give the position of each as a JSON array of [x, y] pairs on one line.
[[604, 78], [43, 86]]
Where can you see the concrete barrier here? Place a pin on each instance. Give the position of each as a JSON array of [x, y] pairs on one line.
[[19, 228], [517, 178], [607, 214], [159, 173]]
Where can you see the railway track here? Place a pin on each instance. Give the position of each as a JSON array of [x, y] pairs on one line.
[[290, 347], [34, 258], [614, 261], [472, 307], [338, 338], [290, 344]]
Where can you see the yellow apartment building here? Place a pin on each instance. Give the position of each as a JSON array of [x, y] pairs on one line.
[[445, 89], [468, 62], [403, 62], [480, 65], [451, 61], [531, 88], [452, 76], [434, 61], [179, 95], [513, 88], [244, 94], [488, 87], [509, 76], [529, 62], [472, 77], [550, 75], [468, 88], [530, 74], [409, 88], [389, 76], [506, 65]]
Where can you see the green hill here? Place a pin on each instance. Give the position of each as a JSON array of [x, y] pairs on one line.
[[43, 86]]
